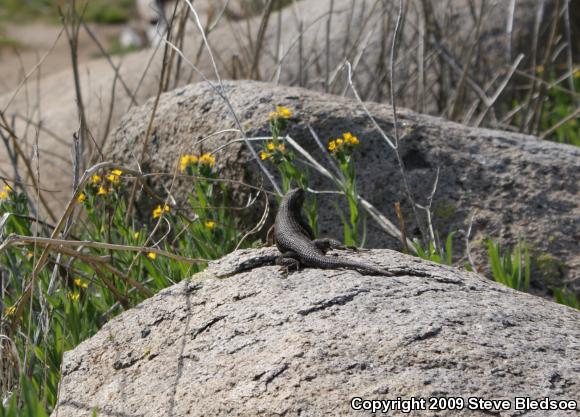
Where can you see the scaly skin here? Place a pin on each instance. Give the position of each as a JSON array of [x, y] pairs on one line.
[[294, 240]]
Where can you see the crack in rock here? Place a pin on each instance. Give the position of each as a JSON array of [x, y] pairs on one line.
[[207, 325], [239, 297], [335, 301], [272, 374]]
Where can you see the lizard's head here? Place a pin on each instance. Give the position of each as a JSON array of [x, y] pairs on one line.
[[295, 198]]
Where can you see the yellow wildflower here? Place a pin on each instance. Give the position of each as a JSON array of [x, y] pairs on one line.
[[281, 148], [152, 255], [332, 146], [113, 177], [187, 160], [210, 224], [10, 310], [264, 155], [5, 193], [207, 159], [136, 235], [270, 146], [350, 139], [102, 190], [283, 112], [79, 283], [29, 255], [82, 197], [158, 211], [95, 179], [339, 142], [74, 296]]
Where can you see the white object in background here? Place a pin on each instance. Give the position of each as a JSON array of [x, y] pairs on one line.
[[130, 39]]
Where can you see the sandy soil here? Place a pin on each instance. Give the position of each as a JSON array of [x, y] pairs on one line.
[[34, 40]]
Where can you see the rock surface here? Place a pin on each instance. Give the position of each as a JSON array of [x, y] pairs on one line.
[[514, 185], [261, 344]]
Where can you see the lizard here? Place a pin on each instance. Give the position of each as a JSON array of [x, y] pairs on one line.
[[295, 240]]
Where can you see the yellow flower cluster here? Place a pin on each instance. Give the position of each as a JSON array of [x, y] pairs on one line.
[[271, 147], [207, 159], [210, 224], [281, 113], [114, 176], [5, 193], [79, 283], [347, 140], [81, 198], [189, 160], [152, 255], [159, 211]]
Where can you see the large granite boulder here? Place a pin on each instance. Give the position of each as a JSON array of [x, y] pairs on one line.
[[258, 343], [515, 186]]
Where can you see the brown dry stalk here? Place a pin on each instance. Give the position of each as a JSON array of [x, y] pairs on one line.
[[26, 295], [19, 240], [402, 227], [150, 124], [255, 71], [27, 163]]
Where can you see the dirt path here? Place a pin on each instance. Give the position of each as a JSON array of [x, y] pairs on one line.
[[34, 40]]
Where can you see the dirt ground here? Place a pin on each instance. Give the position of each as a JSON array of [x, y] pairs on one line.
[[34, 40]]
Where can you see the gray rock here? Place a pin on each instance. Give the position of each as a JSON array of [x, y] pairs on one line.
[[305, 345], [514, 185]]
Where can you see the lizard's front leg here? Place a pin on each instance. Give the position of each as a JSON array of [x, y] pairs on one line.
[[288, 261]]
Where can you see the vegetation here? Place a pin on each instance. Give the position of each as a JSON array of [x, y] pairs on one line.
[[8, 42], [567, 297], [560, 110], [510, 269], [61, 281], [434, 253], [83, 284], [98, 11]]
